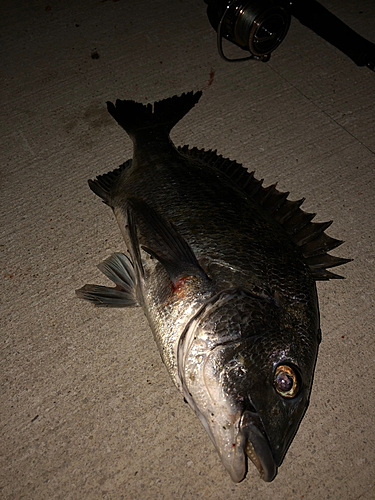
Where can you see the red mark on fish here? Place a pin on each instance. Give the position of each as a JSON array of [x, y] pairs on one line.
[[176, 287]]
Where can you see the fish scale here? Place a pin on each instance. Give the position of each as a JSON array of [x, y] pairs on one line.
[[225, 272]]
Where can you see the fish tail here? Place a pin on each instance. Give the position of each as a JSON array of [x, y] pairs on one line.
[[159, 119]]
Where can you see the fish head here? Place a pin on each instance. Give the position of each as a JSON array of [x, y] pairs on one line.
[[246, 362]]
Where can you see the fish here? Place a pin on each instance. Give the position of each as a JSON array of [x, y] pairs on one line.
[[225, 271]]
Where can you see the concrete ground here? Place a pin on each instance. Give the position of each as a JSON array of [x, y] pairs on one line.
[[88, 410]]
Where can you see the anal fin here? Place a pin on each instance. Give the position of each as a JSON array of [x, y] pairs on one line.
[[103, 185]]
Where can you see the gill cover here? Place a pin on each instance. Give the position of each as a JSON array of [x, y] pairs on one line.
[[228, 358]]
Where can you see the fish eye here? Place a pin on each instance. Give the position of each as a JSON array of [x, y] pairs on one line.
[[286, 381]]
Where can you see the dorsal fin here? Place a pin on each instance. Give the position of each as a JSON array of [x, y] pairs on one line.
[[308, 236]]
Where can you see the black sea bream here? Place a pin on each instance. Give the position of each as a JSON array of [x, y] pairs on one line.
[[225, 272]]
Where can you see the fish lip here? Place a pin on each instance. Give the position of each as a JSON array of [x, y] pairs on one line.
[[257, 447], [258, 451]]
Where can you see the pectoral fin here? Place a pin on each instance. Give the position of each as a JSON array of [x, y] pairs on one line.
[[166, 244]]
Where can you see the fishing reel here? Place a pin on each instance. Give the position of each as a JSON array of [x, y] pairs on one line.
[[256, 26], [259, 27]]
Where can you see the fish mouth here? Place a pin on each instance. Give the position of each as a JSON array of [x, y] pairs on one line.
[[257, 447]]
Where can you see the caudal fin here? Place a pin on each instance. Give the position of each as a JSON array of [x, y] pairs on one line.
[[137, 118]]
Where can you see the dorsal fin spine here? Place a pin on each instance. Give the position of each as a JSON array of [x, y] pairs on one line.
[[308, 236]]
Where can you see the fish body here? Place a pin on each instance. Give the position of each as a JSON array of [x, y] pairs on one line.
[[225, 272]]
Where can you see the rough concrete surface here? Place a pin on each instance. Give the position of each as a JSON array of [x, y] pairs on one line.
[[88, 410]]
